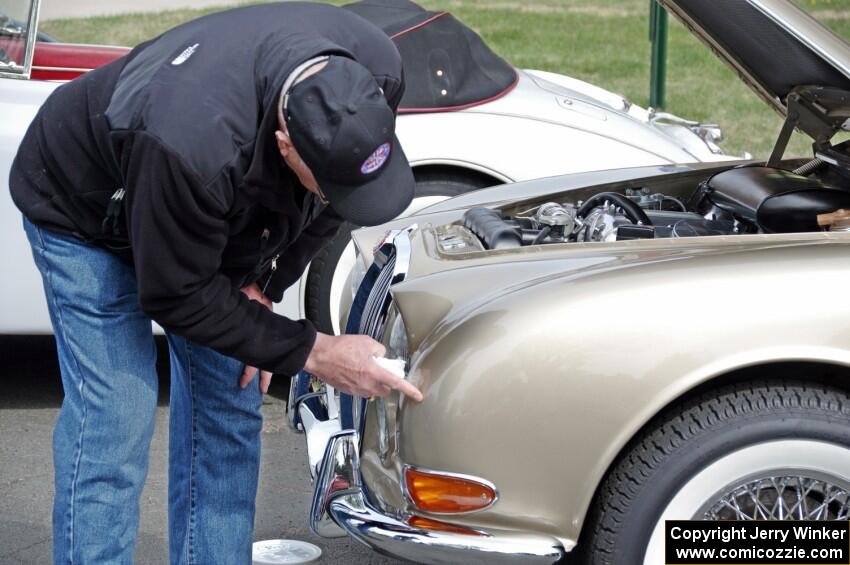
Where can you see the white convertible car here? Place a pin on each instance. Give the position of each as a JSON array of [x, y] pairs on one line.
[[468, 120]]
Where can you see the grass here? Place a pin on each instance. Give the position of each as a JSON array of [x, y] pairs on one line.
[[604, 42]]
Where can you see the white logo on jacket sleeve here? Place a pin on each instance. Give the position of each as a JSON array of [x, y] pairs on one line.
[[184, 56], [377, 159]]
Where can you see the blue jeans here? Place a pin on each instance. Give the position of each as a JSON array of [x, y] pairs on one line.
[[100, 444]]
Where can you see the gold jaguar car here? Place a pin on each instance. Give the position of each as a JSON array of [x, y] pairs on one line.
[[605, 351]]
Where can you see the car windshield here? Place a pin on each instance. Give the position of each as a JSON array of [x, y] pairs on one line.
[[15, 16]]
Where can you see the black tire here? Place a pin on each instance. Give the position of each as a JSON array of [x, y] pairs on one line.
[[685, 440], [440, 182]]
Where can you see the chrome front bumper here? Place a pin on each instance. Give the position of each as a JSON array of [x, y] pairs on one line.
[[341, 506]]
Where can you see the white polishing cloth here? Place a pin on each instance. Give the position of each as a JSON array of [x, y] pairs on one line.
[[394, 366]]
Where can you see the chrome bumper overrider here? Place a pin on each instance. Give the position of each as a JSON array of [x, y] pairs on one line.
[[341, 506]]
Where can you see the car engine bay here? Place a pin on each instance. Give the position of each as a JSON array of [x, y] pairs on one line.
[[742, 200]]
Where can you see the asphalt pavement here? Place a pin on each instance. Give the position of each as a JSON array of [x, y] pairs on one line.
[[30, 396]]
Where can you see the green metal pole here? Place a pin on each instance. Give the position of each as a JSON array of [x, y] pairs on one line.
[[658, 65]]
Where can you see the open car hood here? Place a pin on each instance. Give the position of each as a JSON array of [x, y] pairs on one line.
[[773, 45]]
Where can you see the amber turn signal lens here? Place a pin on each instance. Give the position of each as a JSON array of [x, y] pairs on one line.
[[446, 494], [437, 526]]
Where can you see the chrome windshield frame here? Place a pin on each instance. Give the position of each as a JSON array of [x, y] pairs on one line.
[[23, 71]]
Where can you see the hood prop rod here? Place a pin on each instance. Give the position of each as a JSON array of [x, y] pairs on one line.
[[817, 111]]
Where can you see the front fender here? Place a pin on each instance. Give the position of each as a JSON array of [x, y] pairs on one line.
[[539, 388]]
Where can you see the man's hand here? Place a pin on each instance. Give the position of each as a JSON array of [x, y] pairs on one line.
[[253, 292], [347, 363]]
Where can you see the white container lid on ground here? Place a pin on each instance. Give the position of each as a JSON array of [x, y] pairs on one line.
[[280, 551]]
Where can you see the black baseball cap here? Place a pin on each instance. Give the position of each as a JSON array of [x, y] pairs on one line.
[[344, 130]]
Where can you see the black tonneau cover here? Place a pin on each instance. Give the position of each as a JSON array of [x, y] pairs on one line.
[[447, 66]]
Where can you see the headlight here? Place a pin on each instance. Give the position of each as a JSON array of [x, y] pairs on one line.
[[396, 342]]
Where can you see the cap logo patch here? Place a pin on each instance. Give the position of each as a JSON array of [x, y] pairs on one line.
[[377, 159]]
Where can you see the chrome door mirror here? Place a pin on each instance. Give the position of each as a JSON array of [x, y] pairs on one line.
[[18, 28]]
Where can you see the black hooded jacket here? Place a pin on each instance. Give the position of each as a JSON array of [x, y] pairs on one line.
[[185, 124]]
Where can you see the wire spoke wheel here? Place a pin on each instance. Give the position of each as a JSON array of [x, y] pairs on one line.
[[788, 479], [783, 497], [776, 449]]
